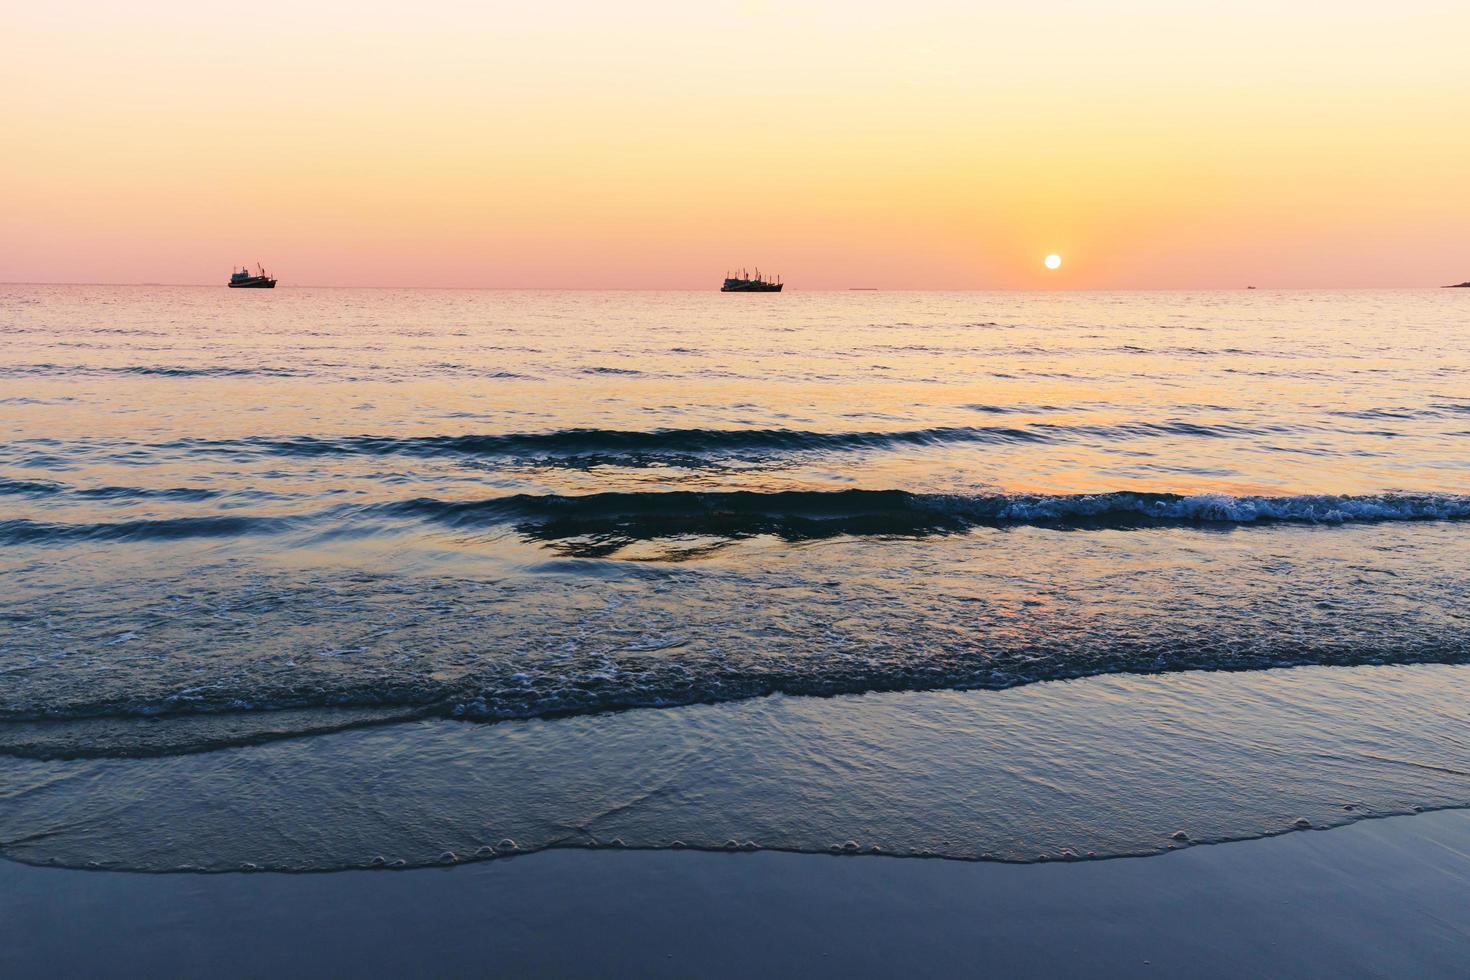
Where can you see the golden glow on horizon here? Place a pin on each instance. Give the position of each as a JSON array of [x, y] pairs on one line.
[[1053, 261], [641, 144]]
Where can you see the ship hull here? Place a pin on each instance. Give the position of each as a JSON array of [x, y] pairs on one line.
[[753, 288], [258, 283]]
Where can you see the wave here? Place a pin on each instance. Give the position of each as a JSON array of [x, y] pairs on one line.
[[816, 513], [143, 493], [598, 524], [118, 734], [49, 488], [151, 370], [630, 446], [587, 441], [22, 531], [30, 488], [554, 685]]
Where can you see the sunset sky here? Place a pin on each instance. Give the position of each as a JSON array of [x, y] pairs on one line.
[[923, 144]]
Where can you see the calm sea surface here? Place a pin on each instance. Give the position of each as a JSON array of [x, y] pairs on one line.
[[304, 578]]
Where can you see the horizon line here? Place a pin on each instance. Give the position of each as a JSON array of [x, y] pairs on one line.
[[708, 289]]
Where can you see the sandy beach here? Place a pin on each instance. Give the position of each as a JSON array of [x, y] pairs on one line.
[[1377, 898]]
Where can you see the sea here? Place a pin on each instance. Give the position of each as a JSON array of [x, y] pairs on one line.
[[311, 579]]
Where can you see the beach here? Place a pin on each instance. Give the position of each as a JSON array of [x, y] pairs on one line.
[[1379, 898], [728, 490]]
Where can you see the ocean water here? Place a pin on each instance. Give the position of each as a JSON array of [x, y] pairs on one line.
[[303, 578]]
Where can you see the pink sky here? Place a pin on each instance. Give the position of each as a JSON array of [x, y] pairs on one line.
[[945, 145]]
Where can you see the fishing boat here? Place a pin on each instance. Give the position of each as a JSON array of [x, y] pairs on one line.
[[743, 283], [243, 279]]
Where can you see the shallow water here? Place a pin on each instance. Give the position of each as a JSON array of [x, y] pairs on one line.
[[1103, 766], [263, 518]]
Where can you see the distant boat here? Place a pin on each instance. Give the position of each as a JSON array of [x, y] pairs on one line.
[[743, 283], [242, 279], [1458, 285]]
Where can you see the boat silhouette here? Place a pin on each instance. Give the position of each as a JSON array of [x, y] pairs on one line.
[[743, 283], [242, 279]]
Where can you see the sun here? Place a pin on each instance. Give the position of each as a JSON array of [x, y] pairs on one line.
[[1053, 261]]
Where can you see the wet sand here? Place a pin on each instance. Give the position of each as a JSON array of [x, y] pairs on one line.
[[1377, 898]]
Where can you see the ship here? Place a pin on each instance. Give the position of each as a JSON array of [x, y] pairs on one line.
[[743, 283], [242, 279]]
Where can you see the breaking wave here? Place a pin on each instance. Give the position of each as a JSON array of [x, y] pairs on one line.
[[550, 683], [605, 521], [898, 511]]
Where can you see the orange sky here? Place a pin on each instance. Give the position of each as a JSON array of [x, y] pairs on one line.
[[929, 144]]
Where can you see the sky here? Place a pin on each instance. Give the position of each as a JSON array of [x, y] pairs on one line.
[[925, 144]]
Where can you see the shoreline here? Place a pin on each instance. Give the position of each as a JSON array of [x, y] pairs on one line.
[[1067, 773], [746, 848], [1378, 896]]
